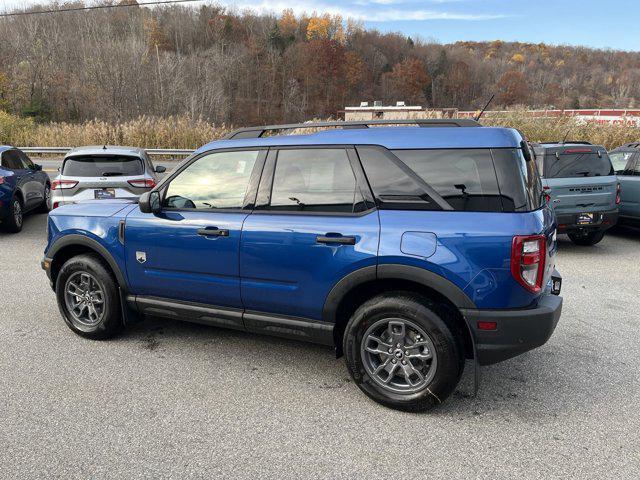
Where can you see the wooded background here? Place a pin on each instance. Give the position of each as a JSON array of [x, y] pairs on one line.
[[242, 68]]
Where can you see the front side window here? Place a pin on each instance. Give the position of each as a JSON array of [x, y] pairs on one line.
[[26, 161], [214, 181], [102, 166], [619, 160], [315, 180]]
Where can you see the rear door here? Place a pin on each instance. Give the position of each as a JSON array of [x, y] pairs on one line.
[[580, 180], [34, 181], [189, 252], [314, 223]]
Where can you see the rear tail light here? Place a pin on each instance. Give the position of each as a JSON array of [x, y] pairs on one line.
[[528, 256], [547, 191], [144, 183], [63, 184], [618, 190]]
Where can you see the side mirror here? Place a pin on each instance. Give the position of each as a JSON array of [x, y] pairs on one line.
[[37, 168], [149, 202], [160, 169]]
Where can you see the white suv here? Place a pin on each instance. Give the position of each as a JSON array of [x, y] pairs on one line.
[[90, 173]]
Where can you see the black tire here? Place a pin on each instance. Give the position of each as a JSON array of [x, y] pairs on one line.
[[423, 314], [45, 207], [14, 220], [586, 239], [108, 322]]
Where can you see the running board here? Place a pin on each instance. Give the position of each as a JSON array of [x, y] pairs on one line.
[[296, 328]]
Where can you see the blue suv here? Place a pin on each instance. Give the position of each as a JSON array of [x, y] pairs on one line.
[[24, 187], [408, 249]]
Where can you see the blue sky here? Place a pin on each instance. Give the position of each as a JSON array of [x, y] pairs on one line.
[[593, 23]]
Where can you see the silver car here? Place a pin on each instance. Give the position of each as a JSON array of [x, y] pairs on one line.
[[89, 173]]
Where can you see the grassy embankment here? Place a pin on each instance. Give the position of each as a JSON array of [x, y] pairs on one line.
[[183, 132]]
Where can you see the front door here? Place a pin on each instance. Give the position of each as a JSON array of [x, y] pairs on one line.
[[311, 227], [189, 252]]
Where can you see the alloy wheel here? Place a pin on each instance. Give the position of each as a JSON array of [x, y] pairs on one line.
[[399, 355], [84, 298], [17, 213]]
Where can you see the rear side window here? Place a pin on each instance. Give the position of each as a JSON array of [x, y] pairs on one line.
[[573, 163], [102, 166], [466, 179], [315, 180], [518, 180], [11, 160], [474, 180]]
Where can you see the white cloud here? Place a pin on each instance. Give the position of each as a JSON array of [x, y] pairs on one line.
[[380, 13]]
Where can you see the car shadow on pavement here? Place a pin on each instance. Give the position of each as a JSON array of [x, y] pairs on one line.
[[541, 384]]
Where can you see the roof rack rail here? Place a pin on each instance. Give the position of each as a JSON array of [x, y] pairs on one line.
[[576, 142], [632, 145], [257, 132]]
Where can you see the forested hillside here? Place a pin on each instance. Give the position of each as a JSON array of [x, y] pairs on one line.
[[241, 68]]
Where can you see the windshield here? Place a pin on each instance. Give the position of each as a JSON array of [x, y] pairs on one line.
[[102, 166], [583, 164]]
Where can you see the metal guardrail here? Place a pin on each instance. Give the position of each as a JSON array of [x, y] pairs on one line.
[[166, 152]]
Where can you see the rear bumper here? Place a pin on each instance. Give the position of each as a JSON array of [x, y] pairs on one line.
[[568, 222], [517, 332]]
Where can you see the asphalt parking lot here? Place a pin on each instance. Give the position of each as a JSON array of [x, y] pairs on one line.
[[177, 400]]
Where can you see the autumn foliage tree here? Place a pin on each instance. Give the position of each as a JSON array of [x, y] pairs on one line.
[[513, 87], [408, 81], [222, 65]]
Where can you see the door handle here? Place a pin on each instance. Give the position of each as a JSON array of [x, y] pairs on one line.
[[213, 232], [335, 239]]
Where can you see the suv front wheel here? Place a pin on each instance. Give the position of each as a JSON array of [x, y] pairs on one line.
[[400, 352], [88, 298]]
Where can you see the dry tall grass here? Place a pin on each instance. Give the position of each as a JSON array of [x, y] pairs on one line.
[[183, 132], [148, 132], [555, 129]]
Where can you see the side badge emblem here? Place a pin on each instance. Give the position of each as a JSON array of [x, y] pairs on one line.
[[141, 257]]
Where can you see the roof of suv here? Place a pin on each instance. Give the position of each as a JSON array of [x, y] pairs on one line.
[[105, 150], [389, 137], [5, 147], [561, 146], [627, 147]]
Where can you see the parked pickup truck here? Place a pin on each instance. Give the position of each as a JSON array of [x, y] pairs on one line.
[[409, 249]]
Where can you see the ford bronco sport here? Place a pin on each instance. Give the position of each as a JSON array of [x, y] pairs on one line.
[[584, 191], [408, 249]]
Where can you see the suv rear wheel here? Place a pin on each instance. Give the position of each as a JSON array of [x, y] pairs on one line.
[[45, 207], [400, 352], [88, 298], [586, 238]]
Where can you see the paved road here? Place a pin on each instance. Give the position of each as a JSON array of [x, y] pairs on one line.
[[175, 400]]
